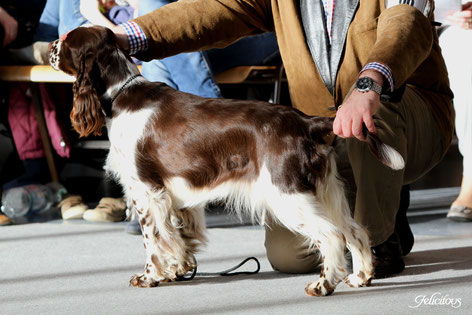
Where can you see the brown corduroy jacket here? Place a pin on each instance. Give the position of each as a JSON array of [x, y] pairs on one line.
[[401, 38]]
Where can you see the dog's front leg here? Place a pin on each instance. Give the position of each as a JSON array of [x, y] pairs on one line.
[[149, 207], [168, 255], [154, 264]]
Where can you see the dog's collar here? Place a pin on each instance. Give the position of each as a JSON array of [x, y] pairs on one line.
[[124, 86]]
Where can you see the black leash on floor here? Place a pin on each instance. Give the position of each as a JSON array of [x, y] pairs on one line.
[[227, 272]]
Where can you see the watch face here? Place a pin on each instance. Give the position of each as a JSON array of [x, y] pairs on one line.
[[364, 83]]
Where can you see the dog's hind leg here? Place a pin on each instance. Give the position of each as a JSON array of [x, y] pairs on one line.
[[332, 244], [299, 213], [362, 261]]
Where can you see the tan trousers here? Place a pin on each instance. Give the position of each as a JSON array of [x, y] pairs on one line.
[[372, 188]]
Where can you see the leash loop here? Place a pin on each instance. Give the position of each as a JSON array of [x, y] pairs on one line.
[[227, 272]]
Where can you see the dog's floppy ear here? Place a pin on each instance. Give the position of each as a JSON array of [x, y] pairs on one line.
[[87, 115]]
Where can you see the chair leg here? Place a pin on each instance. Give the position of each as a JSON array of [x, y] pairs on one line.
[[278, 84], [38, 110]]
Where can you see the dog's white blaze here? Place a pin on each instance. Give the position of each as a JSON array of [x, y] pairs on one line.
[[54, 59]]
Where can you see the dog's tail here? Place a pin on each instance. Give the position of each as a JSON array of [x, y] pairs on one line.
[[385, 153], [322, 126]]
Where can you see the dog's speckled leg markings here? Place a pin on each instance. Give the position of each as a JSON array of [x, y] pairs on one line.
[[362, 261], [153, 268], [331, 245], [171, 238]]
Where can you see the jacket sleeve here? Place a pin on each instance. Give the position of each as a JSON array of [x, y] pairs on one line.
[[191, 25], [404, 41]]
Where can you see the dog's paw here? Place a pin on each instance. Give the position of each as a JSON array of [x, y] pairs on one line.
[[359, 280], [177, 271], [143, 281], [322, 287]]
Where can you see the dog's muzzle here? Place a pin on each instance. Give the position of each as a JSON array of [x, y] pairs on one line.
[[54, 54]]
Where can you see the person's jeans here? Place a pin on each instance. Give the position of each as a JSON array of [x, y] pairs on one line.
[[58, 18], [187, 72], [193, 72]]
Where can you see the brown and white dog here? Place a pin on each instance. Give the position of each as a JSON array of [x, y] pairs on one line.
[[174, 152]]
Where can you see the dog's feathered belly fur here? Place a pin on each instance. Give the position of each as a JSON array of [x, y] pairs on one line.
[[174, 152]]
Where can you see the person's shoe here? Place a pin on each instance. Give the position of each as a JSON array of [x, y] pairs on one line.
[[4, 220], [133, 227], [460, 213], [34, 54], [388, 258], [402, 227], [72, 207], [107, 210]]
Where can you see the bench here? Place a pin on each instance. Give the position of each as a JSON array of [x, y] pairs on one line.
[[46, 74]]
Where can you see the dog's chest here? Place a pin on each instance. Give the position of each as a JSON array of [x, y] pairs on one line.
[[124, 132]]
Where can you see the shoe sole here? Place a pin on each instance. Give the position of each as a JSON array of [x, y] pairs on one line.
[[93, 217], [459, 219], [73, 214], [383, 275]]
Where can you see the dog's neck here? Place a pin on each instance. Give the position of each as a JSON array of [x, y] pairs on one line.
[[117, 74]]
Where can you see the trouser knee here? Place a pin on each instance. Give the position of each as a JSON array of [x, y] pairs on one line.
[[288, 252]]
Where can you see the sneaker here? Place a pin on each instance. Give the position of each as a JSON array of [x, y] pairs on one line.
[[4, 220], [72, 207], [107, 210], [34, 54], [460, 213]]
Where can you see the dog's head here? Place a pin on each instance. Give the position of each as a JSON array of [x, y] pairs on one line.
[[84, 53]]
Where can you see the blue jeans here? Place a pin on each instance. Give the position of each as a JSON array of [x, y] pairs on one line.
[[58, 18], [193, 72], [187, 72]]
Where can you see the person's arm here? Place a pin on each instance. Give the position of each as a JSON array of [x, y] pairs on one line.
[[10, 27], [463, 18], [90, 9], [191, 25], [404, 41]]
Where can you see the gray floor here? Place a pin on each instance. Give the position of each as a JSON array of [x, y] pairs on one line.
[[58, 267]]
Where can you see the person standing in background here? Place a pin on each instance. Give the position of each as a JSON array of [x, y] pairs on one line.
[[456, 44]]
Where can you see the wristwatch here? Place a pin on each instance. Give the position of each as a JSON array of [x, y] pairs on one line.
[[366, 84]]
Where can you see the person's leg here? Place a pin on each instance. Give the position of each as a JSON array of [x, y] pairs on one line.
[[187, 72], [456, 45], [410, 128], [49, 22], [422, 148], [288, 252], [156, 71], [58, 17], [70, 16]]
